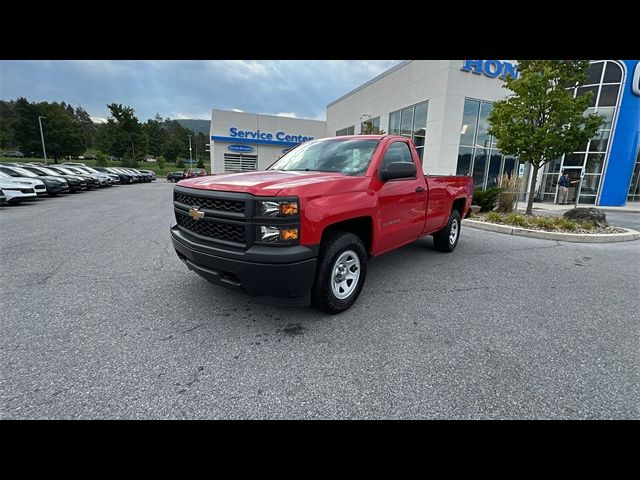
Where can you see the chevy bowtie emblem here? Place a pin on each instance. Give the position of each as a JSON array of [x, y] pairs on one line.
[[195, 213]]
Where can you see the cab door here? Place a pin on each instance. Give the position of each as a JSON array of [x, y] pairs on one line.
[[402, 202]]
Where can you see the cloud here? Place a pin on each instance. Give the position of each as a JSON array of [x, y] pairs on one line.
[[189, 88]]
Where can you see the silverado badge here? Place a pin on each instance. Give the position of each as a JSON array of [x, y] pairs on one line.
[[195, 213]]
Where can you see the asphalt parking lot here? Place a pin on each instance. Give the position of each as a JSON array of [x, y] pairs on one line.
[[101, 320]]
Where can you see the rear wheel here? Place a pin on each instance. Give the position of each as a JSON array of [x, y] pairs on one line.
[[446, 239], [342, 268]]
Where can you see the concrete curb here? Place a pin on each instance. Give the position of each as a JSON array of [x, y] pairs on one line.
[[627, 236]]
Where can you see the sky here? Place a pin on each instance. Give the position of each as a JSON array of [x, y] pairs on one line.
[[189, 88]]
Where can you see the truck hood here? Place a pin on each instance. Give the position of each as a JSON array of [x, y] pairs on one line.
[[262, 183]]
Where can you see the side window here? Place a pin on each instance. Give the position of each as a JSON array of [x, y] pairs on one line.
[[397, 152]]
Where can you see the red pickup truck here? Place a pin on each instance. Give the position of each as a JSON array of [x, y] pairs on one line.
[[302, 231]]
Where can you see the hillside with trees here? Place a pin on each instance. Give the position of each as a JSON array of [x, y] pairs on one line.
[[69, 132]]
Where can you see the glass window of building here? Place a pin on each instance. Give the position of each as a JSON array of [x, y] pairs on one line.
[[394, 123], [346, 131], [370, 126], [634, 186], [469, 122], [479, 164], [464, 161], [604, 80], [411, 122], [478, 154]]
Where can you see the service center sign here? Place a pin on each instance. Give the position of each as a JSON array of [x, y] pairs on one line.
[[265, 138], [490, 68]]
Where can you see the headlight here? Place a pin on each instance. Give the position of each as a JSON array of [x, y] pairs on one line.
[[270, 208], [275, 234]]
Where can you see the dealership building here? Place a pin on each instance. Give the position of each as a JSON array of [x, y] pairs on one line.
[[443, 106]]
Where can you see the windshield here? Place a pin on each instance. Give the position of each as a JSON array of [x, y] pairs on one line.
[[350, 157], [10, 172], [4, 175], [48, 171], [65, 171], [24, 173]]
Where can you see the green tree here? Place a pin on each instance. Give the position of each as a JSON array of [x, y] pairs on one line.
[[27, 130], [542, 121], [157, 136], [161, 163], [8, 119], [101, 159], [88, 127], [177, 142], [122, 135], [62, 135]]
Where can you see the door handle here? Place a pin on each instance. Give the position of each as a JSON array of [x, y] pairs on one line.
[[419, 189]]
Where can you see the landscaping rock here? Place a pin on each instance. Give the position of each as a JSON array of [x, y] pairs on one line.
[[595, 215]]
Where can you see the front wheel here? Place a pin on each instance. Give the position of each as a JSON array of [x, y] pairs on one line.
[[342, 268], [446, 239]]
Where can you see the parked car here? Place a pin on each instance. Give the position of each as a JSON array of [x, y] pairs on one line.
[[75, 183], [103, 177], [38, 185], [103, 180], [92, 182], [14, 154], [175, 176], [149, 172], [72, 164], [303, 230], [3, 198], [53, 185], [135, 178], [17, 190], [123, 177], [93, 170], [142, 176], [195, 172]]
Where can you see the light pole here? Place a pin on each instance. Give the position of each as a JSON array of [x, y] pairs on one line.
[[44, 150], [190, 157]]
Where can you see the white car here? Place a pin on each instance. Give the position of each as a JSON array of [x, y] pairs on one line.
[[17, 191], [38, 186]]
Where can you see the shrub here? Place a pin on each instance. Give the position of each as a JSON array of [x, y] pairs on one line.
[[161, 163], [545, 223], [200, 163], [517, 219], [510, 189], [566, 224], [101, 159], [180, 164], [486, 199], [493, 217], [587, 224]]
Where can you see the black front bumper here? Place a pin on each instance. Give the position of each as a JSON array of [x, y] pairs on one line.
[[277, 275]]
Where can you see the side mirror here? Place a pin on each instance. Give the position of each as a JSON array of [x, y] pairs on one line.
[[398, 170]]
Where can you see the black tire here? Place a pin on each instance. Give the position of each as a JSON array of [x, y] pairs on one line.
[[442, 240], [333, 247]]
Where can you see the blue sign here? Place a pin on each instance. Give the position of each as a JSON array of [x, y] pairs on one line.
[[240, 148], [490, 68], [265, 138]]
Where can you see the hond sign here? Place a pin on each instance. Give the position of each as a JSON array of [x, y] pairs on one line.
[[490, 68]]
